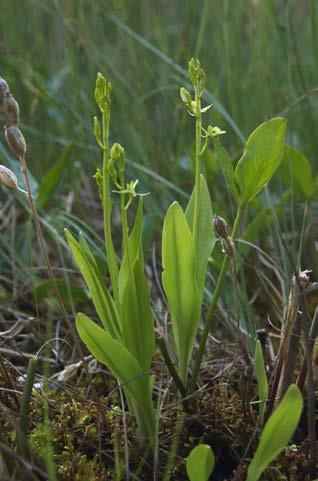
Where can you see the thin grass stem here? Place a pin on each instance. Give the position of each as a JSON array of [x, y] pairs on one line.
[[213, 305]]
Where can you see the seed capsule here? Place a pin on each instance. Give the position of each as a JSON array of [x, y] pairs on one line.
[[15, 140], [4, 90], [220, 226], [8, 178], [11, 109], [228, 246]]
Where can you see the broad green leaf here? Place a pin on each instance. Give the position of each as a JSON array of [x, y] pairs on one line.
[[227, 168], [261, 378], [200, 463], [53, 177], [261, 158], [103, 302], [138, 327], [296, 172], [206, 237], [180, 283], [136, 313], [123, 366], [277, 432]]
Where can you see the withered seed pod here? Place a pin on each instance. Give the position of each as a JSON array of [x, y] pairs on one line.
[[220, 226], [11, 109], [8, 178], [15, 140], [228, 246], [4, 90]]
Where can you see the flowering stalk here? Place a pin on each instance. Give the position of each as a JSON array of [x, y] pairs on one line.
[[103, 100]]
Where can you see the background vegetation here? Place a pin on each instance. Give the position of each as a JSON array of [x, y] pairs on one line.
[[261, 60]]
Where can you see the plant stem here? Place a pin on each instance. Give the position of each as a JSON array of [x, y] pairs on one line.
[[198, 127], [175, 376], [312, 337], [129, 262], [213, 305], [110, 251]]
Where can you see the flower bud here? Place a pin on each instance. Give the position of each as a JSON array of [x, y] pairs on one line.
[[15, 140], [8, 178], [220, 226], [117, 154], [186, 97], [4, 90], [98, 132], [11, 110], [197, 75], [102, 93]]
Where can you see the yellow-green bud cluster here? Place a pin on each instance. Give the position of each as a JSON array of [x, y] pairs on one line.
[[197, 75]]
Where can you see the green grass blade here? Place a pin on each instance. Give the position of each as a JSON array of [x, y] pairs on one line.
[[208, 96], [261, 378]]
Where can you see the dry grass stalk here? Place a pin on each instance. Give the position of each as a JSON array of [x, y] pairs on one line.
[[16, 141]]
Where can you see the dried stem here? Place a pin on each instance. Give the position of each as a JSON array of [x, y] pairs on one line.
[[54, 283]]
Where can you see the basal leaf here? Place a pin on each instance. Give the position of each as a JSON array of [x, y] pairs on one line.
[[180, 283], [296, 172], [261, 158], [277, 432], [102, 300], [138, 327], [206, 237], [200, 463], [123, 366]]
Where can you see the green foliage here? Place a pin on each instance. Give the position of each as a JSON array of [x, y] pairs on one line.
[[200, 463], [123, 365], [205, 237], [103, 302], [179, 280], [137, 318], [277, 432], [261, 378], [297, 173], [126, 343], [261, 158], [226, 166]]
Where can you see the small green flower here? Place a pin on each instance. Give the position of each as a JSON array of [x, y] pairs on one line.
[[214, 131], [130, 191]]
